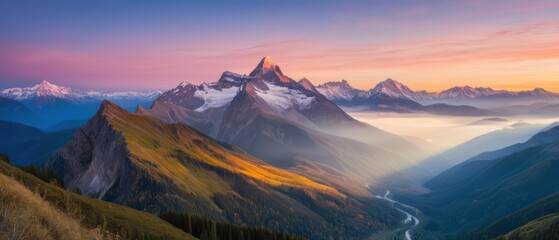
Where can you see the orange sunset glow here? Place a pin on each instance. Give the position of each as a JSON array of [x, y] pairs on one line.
[[502, 44]]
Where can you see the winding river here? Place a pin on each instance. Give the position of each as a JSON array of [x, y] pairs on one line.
[[410, 219]]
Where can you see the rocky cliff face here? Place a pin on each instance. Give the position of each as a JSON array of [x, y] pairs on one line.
[[91, 162], [98, 163]]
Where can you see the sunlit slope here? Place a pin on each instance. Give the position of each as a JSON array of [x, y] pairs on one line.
[[543, 228], [156, 146], [26, 215]]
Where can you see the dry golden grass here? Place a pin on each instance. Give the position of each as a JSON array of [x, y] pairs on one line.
[[156, 142], [25, 215]]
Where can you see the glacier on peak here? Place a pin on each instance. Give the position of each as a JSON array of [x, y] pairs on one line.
[[283, 98]]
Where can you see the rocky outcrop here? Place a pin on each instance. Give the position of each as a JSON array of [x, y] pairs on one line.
[[92, 162]]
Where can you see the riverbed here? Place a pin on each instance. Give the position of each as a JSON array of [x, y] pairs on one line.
[[411, 220]]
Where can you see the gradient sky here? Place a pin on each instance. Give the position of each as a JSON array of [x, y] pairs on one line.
[[432, 45]]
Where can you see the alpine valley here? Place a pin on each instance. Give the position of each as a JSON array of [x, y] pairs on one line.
[[279, 120], [265, 156]]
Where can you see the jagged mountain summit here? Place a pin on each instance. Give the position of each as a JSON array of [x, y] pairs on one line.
[[271, 89], [288, 124], [207, 95], [267, 69]]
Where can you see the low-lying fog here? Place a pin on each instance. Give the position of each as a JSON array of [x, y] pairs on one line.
[[442, 132]]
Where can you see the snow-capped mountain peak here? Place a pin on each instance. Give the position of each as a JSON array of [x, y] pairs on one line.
[[342, 92], [395, 89], [266, 83], [46, 88], [43, 89], [231, 78], [391, 83], [206, 95], [271, 82]]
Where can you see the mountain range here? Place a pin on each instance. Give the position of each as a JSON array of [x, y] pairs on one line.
[[393, 96], [46, 90], [288, 124], [47, 104]]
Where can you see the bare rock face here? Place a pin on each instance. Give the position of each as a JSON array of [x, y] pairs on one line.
[[269, 71], [98, 163], [91, 162]]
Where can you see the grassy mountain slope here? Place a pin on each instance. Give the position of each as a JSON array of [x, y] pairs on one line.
[[143, 162], [25, 215], [541, 208], [540, 229], [148, 138], [52, 212]]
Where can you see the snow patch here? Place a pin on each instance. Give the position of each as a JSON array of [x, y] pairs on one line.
[[228, 79], [283, 98], [337, 91], [214, 98]]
